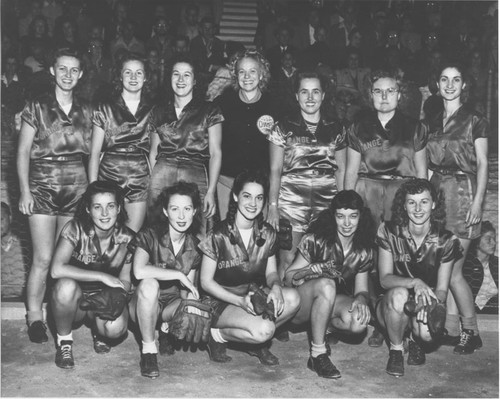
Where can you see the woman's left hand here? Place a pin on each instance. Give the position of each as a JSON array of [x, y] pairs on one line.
[[276, 296], [474, 214], [209, 204], [362, 311]]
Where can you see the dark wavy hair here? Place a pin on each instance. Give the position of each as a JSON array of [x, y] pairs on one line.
[[117, 70], [167, 93], [486, 227], [324, 226], [182, 187], [464, 95], [417, 186], [247, 176], [100, 187]]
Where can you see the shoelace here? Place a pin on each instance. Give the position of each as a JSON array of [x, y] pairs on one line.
[[66, 351], [464, 339]]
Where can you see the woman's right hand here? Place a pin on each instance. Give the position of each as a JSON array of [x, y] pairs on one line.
[[246, 304], [26, 204], [112, 281], [423, 291], [273, 216]]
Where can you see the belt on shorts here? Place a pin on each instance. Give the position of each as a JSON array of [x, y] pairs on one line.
[[314, 172], [384, 177], [181, 159], [450, 172], [125, 150], [63, 158]]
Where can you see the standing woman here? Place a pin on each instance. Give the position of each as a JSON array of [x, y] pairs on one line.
[[185, 139], [241, 250], [54, 137], [458, 157], [245, 108], [308, 159], [120, 132]]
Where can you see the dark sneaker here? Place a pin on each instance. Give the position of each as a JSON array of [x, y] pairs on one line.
[[395, 364], [217, 351], [264, 354], [64, 355], [149, 365], [416, 355], [376, 339], [100, 346], [449, 340], [37, 332], [468, 343], [323, 366], [166, 343]]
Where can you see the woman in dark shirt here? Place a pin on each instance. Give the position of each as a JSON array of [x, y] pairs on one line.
[[186, 142], [120, 135]]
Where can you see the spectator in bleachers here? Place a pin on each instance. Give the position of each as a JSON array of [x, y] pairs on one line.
[[353, 77], [66, 34], [51, 10], [477, 73], [319, 53], [127, 41], [34, 10], [181, 45], [162, 39], [207, 49], [98, 70], [188, 25], [284, 35], [38, 31]]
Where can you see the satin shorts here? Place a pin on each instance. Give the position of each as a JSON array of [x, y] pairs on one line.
[[458, 193], [56, 186], [130, 170], [303, 197]]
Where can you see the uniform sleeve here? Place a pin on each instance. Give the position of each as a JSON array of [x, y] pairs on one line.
[[144, 240], [197, 260], [71, 232], [29, 115], [98, 117], [421, 136], [209, 246], [308, 248], [452, 249], [352, 138], [341, 139], [276, 136], [480, 129], [214, 115], [382, 239], [367, 261]]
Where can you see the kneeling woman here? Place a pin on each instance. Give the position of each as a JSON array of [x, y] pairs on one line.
[[166, 260], [416, 257], [91, 254], [338, 240], [239, 251]]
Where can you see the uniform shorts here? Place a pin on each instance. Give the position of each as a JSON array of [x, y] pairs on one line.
[[130, 170], [303, 197], [216, 305], [458, 190], [56, 186], [167, 298], [378, 196]]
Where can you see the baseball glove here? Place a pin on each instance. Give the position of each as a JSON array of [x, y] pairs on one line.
[[436, 314], [260, 304], [107, 304], [192, 321], [307, 274]]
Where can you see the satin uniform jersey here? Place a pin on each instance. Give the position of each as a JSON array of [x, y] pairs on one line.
[[238, 266], [451, 148], [186, 136], [161, 254], [438, 247], [319, 250], [389, 150], [121, 128], [305, 150], [88, 255], [58, 134]]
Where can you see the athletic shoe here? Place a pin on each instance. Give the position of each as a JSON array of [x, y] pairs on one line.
[[264, 354], [217, 351], [149, 365], [64, 355], [100, 346], [376, 339], [395, 364], [323, 366], [449, 340], [468, 343], [416, 355], [37, 332], [166, 343]]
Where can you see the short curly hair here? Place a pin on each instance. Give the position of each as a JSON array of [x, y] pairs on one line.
[[264, 67], [417, 186]]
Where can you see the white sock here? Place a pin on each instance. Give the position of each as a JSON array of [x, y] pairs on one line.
[[149, 347], [216, 335], [317, 350], [397, 347], [60, 338]]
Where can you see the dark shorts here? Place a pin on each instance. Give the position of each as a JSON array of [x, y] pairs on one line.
[[56, 186], [130, 171], [167, 298], [303, 197], [378, 195], [458, 190], [217, 307]]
